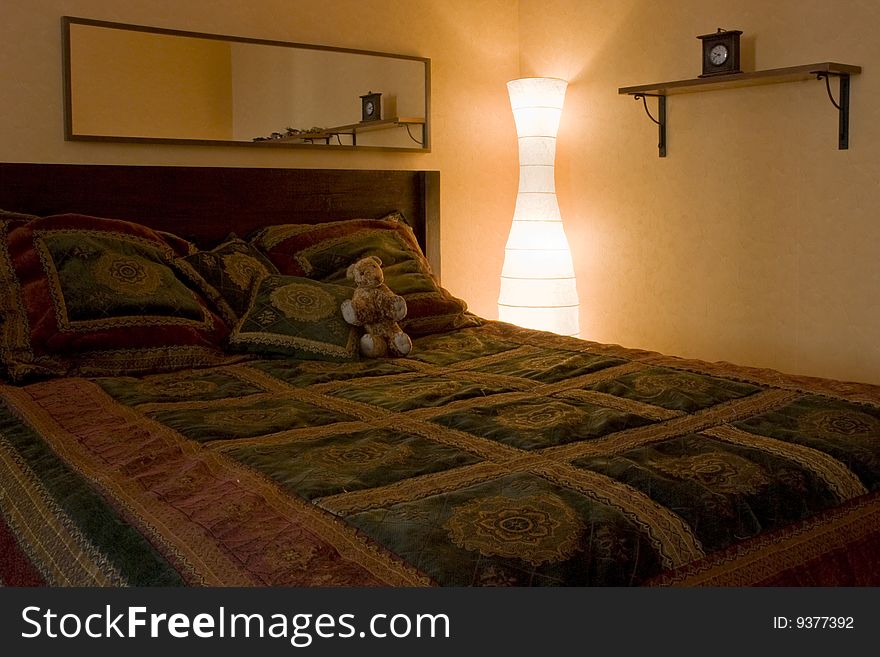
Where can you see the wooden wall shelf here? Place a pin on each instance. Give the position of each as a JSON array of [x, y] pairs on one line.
[[820, 71], [366, 126]]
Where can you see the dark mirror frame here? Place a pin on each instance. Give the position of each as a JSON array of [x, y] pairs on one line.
[[69, 135]]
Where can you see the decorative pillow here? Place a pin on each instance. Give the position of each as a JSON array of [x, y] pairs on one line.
[[227, 275], [6, 215], [85, 295], [8, 221], [324, 252], [295, 316]]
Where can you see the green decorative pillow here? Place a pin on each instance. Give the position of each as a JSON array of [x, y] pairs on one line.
[[295, 316], [324, 252], [227, 275], [91, 296]]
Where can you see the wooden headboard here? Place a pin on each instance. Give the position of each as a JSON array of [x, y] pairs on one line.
[[204, 204]]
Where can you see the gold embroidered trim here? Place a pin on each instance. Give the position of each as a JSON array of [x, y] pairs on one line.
[[462, 376], [127, 361], [491, 359], [304, 434], [501, 380], [14, 328], [768, 556], [845, 390], [414, 488], [482, 447], [247, 338], [840, 479], [431, 484], [670, 535], [62, 554], [203, 404], [332, 386], [200, 560], [730, 411], [621, 404], [591, 378]]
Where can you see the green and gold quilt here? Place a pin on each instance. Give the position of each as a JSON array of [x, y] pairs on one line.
[[492, 456]]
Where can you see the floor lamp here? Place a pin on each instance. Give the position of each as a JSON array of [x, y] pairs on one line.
[[538, 288]]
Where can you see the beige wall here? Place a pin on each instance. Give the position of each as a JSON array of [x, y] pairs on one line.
[[755, 240], [149, 85], [473, 48]]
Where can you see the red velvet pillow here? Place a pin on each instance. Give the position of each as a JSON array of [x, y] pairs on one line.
[[85, 295]]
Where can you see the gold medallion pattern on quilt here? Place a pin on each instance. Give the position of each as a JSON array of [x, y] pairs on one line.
[[341, 464], [838, 424], [178, 388], [723, 473], [547, 415], [535, 529], [653, 384]]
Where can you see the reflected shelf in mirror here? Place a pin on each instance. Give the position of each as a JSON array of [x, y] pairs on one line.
[[350, 131]]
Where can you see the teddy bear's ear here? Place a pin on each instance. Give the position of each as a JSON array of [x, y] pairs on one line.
[[349, 273], [377, 259]]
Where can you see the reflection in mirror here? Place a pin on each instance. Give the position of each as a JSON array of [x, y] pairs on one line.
[[133, 83]]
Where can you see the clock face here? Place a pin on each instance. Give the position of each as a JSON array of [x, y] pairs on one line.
[[371, 107], [718, 54]]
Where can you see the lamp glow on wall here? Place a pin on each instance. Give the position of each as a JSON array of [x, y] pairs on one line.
[[538, 288]]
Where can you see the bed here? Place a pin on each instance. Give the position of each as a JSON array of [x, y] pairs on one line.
[[155, 430]]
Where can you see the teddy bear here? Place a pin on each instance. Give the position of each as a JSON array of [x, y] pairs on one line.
[[375, 307]]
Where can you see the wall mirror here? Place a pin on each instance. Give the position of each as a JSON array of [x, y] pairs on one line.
[[143, 84]]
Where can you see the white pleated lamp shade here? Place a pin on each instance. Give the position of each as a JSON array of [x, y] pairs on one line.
[[538, 288]]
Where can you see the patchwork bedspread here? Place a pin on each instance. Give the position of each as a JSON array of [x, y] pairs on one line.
[[492, 456]]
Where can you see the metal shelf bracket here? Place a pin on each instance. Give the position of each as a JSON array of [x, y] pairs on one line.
[[660, 121], [842, 106]]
